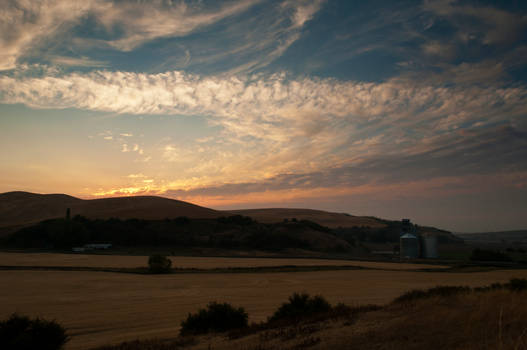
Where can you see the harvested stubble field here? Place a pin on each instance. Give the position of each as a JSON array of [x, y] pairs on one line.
[[124, 261], [477, 320], [101, 308]]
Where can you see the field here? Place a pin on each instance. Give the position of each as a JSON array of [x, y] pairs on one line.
[[478, 320], [101, 308], [116, 261]]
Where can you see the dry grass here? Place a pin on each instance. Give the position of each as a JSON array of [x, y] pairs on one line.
[[491, 320], [117, 261], [106, 308], [468, 321]]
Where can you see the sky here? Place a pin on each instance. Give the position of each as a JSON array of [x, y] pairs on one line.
[[394, 109]]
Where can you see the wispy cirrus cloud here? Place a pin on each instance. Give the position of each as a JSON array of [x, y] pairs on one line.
[[38, 29], [426, 100], [265, 100], [77, 62], [302, 126], [22, 24], [25, 25], [144, 21], [492, 25]]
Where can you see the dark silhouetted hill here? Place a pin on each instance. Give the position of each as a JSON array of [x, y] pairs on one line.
[[18, 209]]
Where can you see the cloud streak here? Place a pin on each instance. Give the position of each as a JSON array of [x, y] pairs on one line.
[[36, 29], [213, 101], [303, 126], [26, 24]]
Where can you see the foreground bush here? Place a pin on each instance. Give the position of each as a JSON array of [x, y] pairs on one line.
[[152, 344], [517, 284], [158, 263], [497, 314], [514, 284], [300, 306], [439, 291], [217, 317], [22, 333]]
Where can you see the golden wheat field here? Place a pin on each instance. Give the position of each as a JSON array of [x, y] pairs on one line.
[[95, 260], [104, 308]]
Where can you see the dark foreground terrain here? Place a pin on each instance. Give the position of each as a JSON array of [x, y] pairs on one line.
[[438, 318]]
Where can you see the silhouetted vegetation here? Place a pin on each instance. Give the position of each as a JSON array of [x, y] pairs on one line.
[[488, 255], [217, 317], [439, 291], [158, 263], [514, 284], [231, 232], [234, 232], [388, 234], [300, 322], [299, 306], [22, 333], [153, 344], [517, 284]]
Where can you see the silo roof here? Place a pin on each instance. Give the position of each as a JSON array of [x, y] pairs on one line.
[[408, 235]]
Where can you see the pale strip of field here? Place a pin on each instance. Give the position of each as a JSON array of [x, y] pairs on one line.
[[116, 261], [102, 308]]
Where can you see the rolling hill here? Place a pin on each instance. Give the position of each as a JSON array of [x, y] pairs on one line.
[[324, 218], [272, 228], [18, 209]]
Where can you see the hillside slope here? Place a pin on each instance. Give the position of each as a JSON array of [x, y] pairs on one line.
[[491, 319], [19, 209], [328, 219]]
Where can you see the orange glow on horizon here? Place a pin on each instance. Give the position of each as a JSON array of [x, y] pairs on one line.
[[431, 188]]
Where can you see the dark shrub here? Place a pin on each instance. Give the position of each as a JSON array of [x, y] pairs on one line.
[[517, 284], [152, 344], [488, 255], [439, 291], [158, 263], [299, 306], [236, 220], [23, 333], [217, 317]]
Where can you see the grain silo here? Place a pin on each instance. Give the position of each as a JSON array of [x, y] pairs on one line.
[[409, 246], [429, 246]]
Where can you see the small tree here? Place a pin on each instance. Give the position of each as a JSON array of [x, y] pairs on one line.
[[22, 333], [158, 263]]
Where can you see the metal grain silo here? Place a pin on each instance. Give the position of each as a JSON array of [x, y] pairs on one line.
[[409, 246], [430, 246]]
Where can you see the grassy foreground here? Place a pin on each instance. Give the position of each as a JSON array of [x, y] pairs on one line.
[[439, 318]]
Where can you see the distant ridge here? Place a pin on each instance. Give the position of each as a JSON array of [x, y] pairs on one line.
[[324, 218], [509, 237], [18, 209]]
